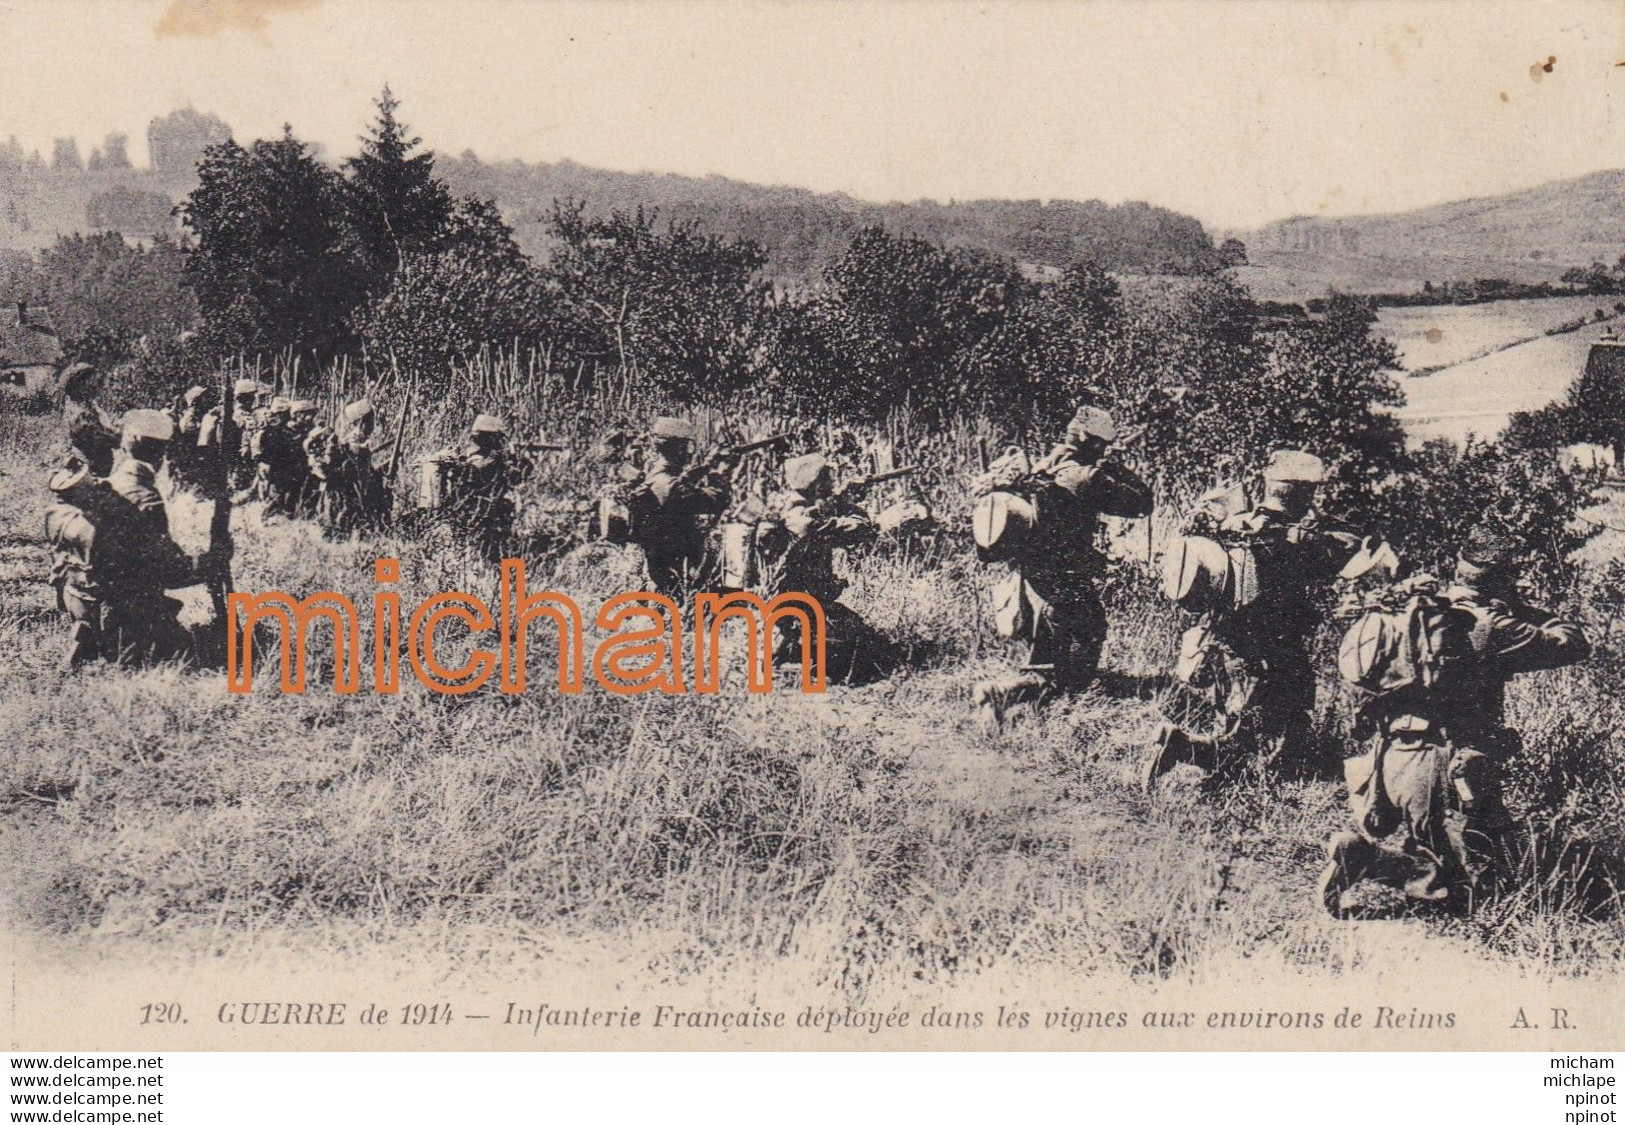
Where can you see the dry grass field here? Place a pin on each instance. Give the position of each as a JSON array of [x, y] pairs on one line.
[[871, 838], [1470, 367]]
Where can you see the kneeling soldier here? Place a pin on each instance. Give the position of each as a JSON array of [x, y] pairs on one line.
[[1247, 659], [1441, 739], [1053, 595], [115, 558], [480, 479], [672, 504], [818, 518]]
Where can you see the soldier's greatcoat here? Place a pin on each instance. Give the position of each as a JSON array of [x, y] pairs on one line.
[[1056, 583], [669, 512], [812, 531], [479, 484], [1440, 749], [114, 563]]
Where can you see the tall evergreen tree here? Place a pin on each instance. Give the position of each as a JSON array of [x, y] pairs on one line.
[[397, 207]]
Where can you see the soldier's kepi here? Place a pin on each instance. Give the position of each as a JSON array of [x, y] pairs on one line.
[[1044, 520], [670, 504], [1251, 578]]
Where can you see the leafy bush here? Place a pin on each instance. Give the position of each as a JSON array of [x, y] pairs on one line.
[[1427, 512], [446, 304], [682, 307]]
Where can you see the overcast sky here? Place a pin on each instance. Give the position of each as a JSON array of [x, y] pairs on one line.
[[1236, 114]]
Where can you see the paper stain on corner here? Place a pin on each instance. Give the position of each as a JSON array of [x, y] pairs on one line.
[[205, 19]]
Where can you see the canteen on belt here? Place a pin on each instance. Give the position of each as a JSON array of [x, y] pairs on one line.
[[1197, 574], [614, 520], [431, 484], [1002, 524]]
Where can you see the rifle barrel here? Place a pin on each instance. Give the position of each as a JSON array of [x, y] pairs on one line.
[[759, 443], [220, 517]]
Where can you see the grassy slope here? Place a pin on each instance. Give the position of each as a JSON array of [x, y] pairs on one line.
[[871, 839], [1531, 235]]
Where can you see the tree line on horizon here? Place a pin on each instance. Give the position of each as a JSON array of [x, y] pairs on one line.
[[378, 261]]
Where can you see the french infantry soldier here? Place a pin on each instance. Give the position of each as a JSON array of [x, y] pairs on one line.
[[1247, 658], [813, 519], [1052, 600], [671, 504], [302, 425], [1440, 741], [247, 421], [279, 456], [479, 483], [114, 557], [188, 459], [91, 432], [353, 490]]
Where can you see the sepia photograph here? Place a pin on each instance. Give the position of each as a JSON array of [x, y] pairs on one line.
[[769, 525]]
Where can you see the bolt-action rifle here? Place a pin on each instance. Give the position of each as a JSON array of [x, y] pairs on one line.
[[703, 467], [400, 436], [220, 518], [857, 486]]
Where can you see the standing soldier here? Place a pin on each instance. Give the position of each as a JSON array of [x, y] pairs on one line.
[[116, 560], [188, 459], [671, 504], [1053, 598], [1441, 739], [1247, 659], [91, 432], [479, 480], [813, 520], [248, 419]]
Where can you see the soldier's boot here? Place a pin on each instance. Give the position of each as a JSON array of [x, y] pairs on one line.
[[994, 698], [1174, 747], [989, 704], [84, 647], [1348, 855]]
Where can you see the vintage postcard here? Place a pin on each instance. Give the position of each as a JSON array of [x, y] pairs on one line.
[[814, 525]]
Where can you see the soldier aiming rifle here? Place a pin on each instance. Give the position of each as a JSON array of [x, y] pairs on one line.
[[667, 509], [811, 520], [475, 485], [1044, 519]]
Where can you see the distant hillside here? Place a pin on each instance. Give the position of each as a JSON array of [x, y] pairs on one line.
[[1528, 236], [802, 229]]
